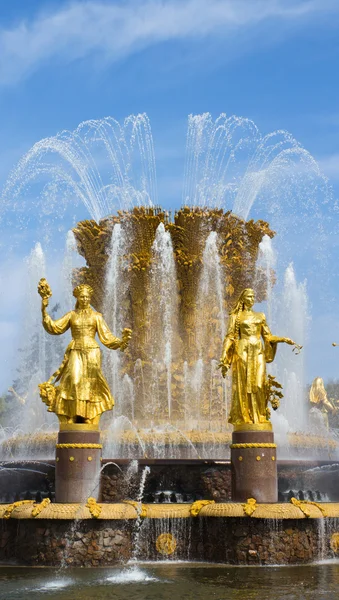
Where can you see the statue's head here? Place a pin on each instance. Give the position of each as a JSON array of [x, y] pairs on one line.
[[245, 300], [83, 293]]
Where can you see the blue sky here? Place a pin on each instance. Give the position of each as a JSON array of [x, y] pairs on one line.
[[274, 61]]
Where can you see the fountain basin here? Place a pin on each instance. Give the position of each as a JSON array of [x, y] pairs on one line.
[[219, 532]]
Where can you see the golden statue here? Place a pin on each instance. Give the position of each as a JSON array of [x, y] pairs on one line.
[[244, 350], [83, 393], [318, 397]]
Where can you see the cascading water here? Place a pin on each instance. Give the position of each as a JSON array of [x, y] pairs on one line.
[[230, 163], [68, 264], [36, 356], [210, 327], [163, 308], [293, 319], [287, 315], [266, 265], [290, 318], [114, 297], [210, 291], [73, 162]]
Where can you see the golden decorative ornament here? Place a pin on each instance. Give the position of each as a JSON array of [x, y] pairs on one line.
[[57, 459], [71, 458], [166, 543], [302, 504], [79, 426], [258, 458], [334, 543], [89, 458], [84, 446], [11, 507], [253, 427], [253, 445], [94, 507], [196, 507], [273, 457], [39, 507], [249, 507], [240, 458]]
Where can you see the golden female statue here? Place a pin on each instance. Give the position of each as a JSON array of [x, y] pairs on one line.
[[318, 397], [244, 350], [83, 393]]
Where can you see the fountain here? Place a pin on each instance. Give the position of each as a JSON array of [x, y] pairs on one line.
[[172, 278]]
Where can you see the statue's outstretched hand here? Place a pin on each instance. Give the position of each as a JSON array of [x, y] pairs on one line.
[[224, 368], [125, 338], [297, 349]]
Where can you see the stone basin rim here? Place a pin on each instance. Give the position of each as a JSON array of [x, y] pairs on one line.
[[133, 510]]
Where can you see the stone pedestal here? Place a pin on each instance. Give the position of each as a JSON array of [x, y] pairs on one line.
[[254, 466], [77, 465]]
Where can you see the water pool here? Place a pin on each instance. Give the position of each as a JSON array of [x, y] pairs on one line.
[[173, 581]]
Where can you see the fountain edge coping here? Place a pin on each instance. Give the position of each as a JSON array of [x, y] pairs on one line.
[[203, 508]]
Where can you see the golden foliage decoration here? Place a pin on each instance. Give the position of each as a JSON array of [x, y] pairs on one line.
[[11, 507], [40, 507], [94, 507], [249, 507], [196, 507], [334, 542], [305, 507]]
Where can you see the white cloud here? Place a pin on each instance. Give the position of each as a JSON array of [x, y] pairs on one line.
[[117, 29]]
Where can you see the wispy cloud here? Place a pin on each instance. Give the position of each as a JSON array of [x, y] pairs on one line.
[[115, 29]]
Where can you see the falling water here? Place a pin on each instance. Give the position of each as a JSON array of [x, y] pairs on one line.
[[163, 306], [138, 524], [72, 163], [210, 326], [36, 357], [67, 267], [292, 321], [127, 399], [114, 298], [114, 275], [230, 163], [210, 292], [114, 445], [36, 270], [265, 267]]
